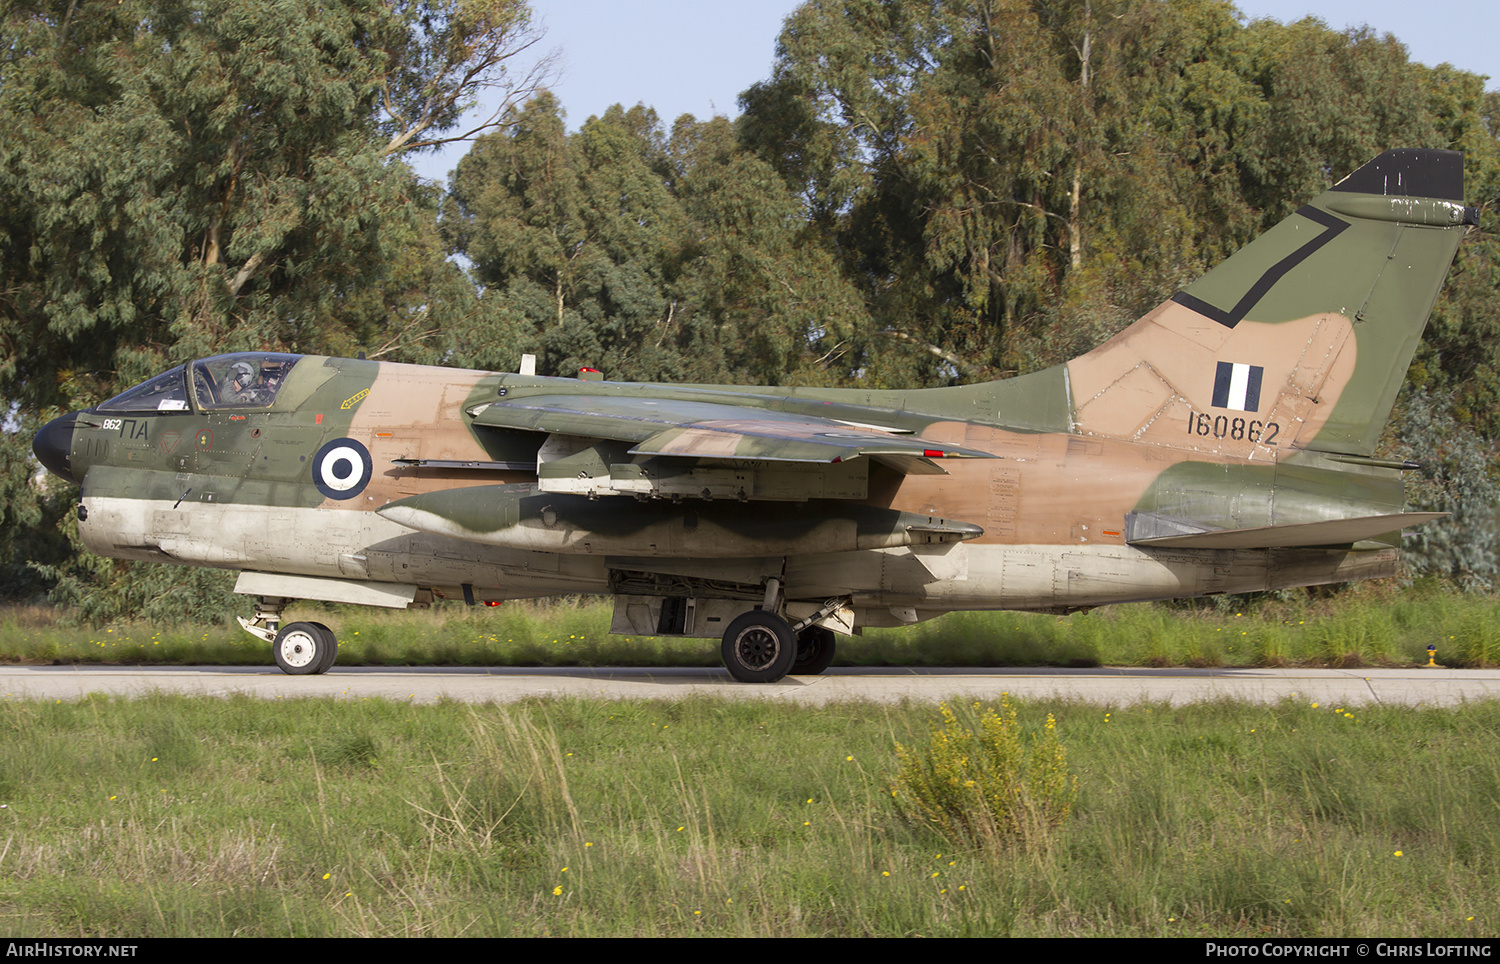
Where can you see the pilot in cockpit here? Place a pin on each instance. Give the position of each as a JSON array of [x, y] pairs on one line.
[[248, 388]]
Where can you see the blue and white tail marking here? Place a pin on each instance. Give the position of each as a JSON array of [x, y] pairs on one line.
[[1237, 386]]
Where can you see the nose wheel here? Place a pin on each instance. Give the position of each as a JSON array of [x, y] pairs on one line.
[[305, 649]]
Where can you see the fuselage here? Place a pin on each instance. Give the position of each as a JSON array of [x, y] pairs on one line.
[[1224, 442], [273, 484]]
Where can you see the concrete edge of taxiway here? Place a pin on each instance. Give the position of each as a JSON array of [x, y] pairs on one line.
[[1114, 686]]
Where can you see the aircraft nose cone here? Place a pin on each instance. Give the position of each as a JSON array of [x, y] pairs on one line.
[[53, 445]]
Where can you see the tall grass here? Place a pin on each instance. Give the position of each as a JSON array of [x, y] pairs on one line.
[[1375, 627], [173, 816]]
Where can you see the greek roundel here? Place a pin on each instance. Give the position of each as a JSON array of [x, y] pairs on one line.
[[341, 469]]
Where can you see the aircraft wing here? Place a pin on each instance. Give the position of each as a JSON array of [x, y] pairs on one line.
[[734, 458], [700, 429]]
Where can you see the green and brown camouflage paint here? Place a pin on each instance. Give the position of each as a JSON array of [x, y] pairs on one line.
[[1252, 400]]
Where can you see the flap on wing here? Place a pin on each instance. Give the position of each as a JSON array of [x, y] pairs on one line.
[[714, 430], [1151, 529]]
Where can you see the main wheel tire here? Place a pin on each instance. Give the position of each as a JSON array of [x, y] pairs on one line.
[[301, 649], [326, 663], [758, 647], [815, 646]]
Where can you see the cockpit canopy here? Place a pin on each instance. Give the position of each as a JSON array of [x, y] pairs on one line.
[[244, 380], [248, 379]]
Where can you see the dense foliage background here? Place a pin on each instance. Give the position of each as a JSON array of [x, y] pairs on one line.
[[921, 193]]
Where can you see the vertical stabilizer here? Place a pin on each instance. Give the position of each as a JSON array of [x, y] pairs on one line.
[[1302, 338]]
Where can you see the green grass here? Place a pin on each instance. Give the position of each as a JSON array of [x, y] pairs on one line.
[[170, 816], [1373, 627]]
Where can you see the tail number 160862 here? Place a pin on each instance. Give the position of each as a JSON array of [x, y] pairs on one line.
[[1233, 427]]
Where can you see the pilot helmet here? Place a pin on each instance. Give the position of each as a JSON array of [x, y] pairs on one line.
[[241, 372]]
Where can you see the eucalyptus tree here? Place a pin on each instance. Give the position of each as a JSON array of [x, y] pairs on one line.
[[184, 177], [649, 256], [189, 177], [1009, 182]]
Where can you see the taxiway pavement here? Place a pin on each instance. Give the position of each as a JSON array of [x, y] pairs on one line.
[[1106, 685]]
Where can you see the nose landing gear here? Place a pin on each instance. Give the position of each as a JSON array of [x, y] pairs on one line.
[[300, 649], [305, 649]]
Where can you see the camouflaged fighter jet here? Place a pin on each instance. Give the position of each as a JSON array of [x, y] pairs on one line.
[[1223, 443]]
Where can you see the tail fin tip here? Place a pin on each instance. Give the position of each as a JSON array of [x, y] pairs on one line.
[[1410, 172]]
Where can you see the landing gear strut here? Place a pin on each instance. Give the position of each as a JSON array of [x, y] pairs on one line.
[[761, 647], [301, 649]]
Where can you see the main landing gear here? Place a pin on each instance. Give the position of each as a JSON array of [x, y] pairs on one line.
[[814, 651], [300, 649], [761, 647]]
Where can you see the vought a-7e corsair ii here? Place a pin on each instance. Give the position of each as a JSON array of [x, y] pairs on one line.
[[1223, 443]]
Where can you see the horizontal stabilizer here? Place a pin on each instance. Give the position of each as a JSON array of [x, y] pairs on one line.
[[1151, 529]]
